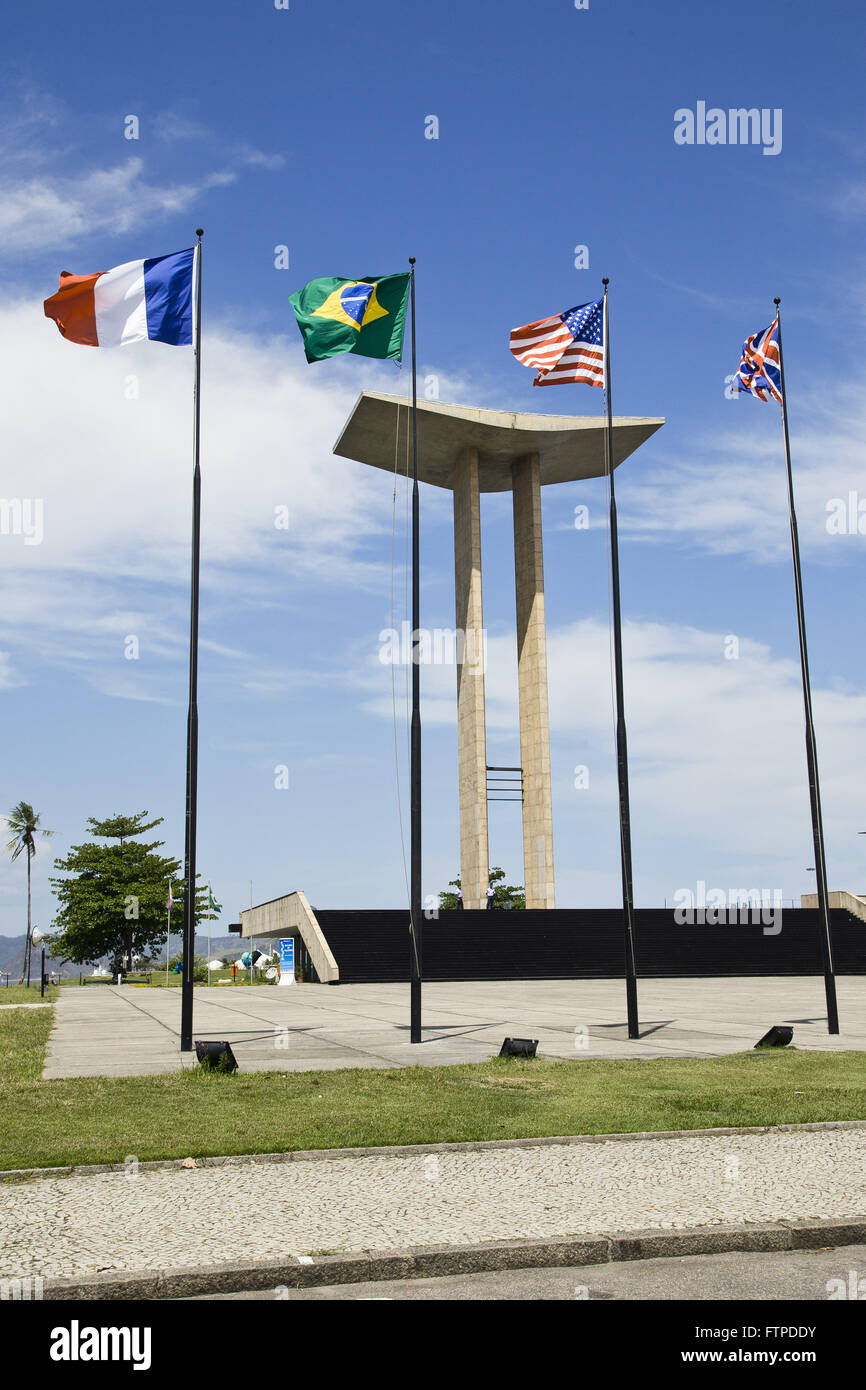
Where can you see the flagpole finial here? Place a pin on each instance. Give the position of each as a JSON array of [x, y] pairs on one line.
[[777, 301], [605, 281], [199, 231], [411, 260]]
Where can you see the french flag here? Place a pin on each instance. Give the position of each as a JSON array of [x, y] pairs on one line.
[[142, 299]]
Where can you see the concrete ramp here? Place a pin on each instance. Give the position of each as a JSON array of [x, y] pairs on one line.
[[292, 916], [855, 903]]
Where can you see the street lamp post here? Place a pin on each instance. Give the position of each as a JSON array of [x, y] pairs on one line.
[[37, 938]]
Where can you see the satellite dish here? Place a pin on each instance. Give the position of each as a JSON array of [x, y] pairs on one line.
[[215, 965], [271, 974], [36, 936]]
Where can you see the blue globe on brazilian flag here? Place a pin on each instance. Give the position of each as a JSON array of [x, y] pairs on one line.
[[366, 316]]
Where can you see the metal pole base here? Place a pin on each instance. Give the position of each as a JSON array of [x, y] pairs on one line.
[[631, 1006], [832, 1009], [415, 1011]]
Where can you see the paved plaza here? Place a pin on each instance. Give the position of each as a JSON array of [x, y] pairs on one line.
[[107, 1030]]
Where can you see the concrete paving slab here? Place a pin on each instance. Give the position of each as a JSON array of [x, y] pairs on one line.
[[131, 1031]]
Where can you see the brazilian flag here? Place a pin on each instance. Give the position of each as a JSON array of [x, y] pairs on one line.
[[366, 316]]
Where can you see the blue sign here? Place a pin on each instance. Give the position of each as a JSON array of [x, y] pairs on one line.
[[286, 946]]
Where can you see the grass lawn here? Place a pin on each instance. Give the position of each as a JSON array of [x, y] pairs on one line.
[[20, 994], [156, 979], [217, 977], [101, 1120]]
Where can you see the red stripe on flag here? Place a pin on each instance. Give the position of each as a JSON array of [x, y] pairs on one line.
[[72, 308], [529, 329], [551, 379], [536, 349], [580, 364]]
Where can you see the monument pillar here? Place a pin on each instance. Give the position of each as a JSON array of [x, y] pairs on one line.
[[532, 683], [468, 450], [471, 734]]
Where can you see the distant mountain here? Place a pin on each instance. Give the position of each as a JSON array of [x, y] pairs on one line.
[[12, 960], [12, 955], [219, 946]]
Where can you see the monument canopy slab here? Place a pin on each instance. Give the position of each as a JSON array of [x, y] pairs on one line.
[[571, 447]]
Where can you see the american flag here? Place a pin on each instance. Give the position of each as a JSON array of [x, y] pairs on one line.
[[566, 347], [760, 370]]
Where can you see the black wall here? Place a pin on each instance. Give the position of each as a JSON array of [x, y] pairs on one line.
[[574, 944]]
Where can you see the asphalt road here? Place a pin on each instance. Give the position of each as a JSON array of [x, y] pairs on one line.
[[788, 1274]]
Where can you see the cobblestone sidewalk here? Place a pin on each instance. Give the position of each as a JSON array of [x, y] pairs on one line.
[[176, 1218]]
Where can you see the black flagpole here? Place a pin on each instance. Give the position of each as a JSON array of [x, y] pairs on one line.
[[415, 958], [811, 748], [192, 717], [621, 747]]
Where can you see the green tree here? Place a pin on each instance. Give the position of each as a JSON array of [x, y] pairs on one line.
[[199, 967], [506, 895], [113, 904], [23, 822]]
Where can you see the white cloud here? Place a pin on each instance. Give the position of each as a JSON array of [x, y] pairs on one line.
[[8, 678], [716, 746], [114, 475], [44, 206], [27, 114], [173, 126], [716, 750], [730, 496], [53, 210], [259, 159]]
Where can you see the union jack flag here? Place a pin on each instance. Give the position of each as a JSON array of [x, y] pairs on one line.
[[566, 347], [760, 372]]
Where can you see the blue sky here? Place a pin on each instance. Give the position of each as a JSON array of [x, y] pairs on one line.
[[306, 128]]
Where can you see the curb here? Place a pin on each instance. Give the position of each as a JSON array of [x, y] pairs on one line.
[[427, 1262], [407, 1150]]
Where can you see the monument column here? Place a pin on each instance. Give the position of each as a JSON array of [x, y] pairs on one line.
[[471, 735], [532, 684]]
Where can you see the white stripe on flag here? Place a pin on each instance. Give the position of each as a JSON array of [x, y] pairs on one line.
[[195, 255], [519, 345], [542, 357], [576, 365], [545, 344], [119, 305]]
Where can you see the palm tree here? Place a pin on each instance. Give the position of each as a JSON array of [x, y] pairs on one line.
[[23, 821]]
